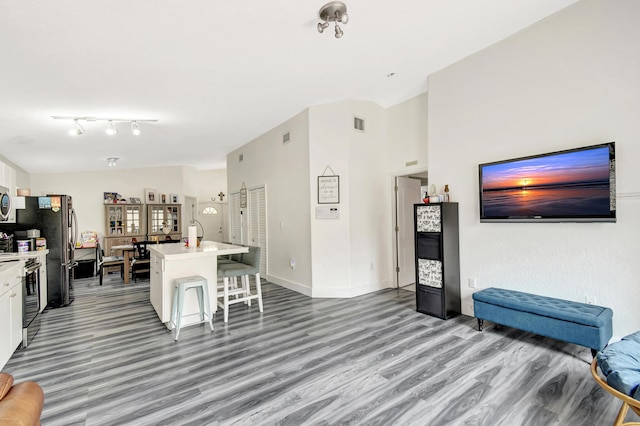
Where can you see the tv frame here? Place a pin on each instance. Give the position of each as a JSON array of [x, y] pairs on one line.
[[562, 218]]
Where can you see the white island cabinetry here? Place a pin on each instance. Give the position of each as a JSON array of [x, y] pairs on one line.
[[172, 261]]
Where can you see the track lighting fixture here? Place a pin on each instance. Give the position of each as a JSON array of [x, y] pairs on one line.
[[335, 11], [77, 129], [111, 128], [112, 162], [111, 124]]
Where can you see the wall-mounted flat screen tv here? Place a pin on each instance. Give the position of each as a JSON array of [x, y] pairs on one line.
[[576, 185]]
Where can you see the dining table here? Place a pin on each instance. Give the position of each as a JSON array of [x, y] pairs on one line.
[[127, 252]]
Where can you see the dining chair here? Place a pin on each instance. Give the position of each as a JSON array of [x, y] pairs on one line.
[[248, 264], [106, 261], [141, 261]]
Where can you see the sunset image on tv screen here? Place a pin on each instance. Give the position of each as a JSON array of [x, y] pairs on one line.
[[565, 184]]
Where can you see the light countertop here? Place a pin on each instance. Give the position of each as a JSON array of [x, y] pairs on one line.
[[7, 266], [7, 257], [206, 249]]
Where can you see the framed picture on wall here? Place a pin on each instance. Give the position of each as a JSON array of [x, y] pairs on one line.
[[150, 196], [163, 198], [243, 196], [328, 189], [174, 198]]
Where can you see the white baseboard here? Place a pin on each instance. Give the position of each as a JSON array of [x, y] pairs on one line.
[[327, 292], [297, 287]]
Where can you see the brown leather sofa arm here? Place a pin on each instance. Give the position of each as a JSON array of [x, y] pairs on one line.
[[22, 404]]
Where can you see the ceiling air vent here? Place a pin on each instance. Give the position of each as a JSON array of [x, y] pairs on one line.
[[358, 123], [240, 158], [285, 138]]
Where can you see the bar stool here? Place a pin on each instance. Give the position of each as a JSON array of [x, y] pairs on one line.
[[181, 286], [249, 265]]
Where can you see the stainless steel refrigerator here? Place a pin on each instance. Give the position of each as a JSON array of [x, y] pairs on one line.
[[55, 218]]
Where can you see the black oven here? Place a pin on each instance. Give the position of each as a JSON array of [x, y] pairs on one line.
[[31, 301]]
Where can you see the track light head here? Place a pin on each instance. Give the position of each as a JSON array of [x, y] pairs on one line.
[[135, 128], [112, 162], [111, 123], [111, 128], [77, 130], [322, 26], [339, 32]]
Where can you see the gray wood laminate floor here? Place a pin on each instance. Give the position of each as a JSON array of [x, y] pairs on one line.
[[107, 360]]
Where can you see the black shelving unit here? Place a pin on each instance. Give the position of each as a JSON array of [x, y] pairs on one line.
[[437, 259]]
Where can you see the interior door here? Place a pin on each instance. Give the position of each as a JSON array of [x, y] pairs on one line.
[[258, 225], [235, 219], [407, 195]]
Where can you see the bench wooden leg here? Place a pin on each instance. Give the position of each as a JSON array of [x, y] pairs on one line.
[[480, 324]]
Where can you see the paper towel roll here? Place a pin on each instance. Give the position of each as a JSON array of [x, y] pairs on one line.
[[193, 237]]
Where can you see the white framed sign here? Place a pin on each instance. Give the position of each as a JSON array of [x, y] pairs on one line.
[[328, 189]]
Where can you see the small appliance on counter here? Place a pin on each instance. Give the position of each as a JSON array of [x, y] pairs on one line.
[[6, 242], [26, 240]]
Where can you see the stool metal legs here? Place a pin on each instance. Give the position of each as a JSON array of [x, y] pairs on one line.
[[181, 287]]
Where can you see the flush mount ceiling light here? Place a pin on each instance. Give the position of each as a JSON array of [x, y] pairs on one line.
[[112, 162], [335, 11], [111, 124]]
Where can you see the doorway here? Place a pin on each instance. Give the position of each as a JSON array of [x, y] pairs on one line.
[[407, 190], [213, 216]]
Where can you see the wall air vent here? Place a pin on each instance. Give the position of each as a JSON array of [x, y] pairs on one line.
[[411, 163], [358, 123], [285, 138], [240, 158]]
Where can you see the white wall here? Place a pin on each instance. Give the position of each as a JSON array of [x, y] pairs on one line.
[[283, 168], [329, 140], [568, 81], [22, 177], [369, 237], [87, 188], [210, 183], [406, 143], [407, 136]]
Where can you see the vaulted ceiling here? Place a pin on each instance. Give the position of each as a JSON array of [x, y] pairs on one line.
[[215, 74]]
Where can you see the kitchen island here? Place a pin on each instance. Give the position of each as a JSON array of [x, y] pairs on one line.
[[172, 261]]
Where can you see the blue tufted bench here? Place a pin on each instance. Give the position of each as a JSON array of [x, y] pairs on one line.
[[574, 322]]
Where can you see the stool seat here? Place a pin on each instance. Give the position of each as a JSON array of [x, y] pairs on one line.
[[199, 283]]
